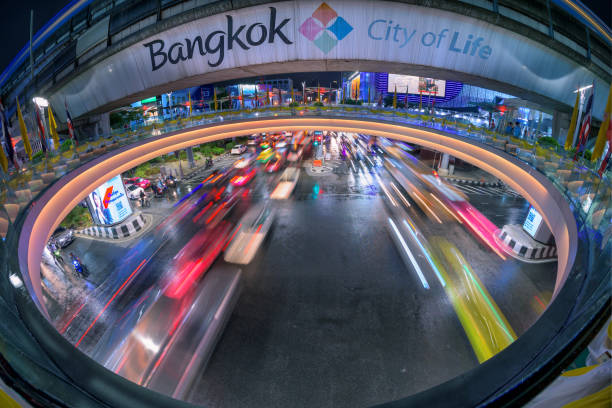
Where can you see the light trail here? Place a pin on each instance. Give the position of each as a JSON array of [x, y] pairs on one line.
[[110, 301], [427, 255], [399, 193], [412, 260]]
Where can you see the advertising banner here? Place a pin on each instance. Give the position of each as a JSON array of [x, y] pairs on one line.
[[416, 85], [109, 204], [349, 34]]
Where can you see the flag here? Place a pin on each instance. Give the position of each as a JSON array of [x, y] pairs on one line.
[[53, 128], [189, 104], [600, 142], [70, 125], [3, 161], [585, 126], [24, 131], [41, 128], [395, 98], [318, 93], [606, 159], [241, 98], [570, 132], [292, 96], [215, 98], [8, 140]]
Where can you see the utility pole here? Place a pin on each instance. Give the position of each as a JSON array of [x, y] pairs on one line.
[[31, 58]]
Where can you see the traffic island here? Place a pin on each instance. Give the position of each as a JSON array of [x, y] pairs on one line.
[[130, 227], [523, 247]]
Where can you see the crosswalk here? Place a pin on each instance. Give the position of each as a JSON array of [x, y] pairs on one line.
[[486, 190]]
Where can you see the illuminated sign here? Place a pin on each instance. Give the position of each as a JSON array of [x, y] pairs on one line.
[[416, 85], [108, 204], [532, 222]]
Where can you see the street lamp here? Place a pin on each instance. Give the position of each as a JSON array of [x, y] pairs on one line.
[[40, 101]]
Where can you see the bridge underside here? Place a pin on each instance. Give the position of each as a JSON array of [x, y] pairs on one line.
[[546, 104]]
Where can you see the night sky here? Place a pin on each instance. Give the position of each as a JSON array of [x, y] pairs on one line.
[[15, 22]]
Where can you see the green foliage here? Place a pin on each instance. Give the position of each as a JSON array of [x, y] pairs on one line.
[[230, 146], [66, 145], [141, 171], [77, 218], [353, 101], [318, 103], [120, 118], [293, 104], [36, 157], [206, 150], [146, 170], [547, 141], [217, 150]]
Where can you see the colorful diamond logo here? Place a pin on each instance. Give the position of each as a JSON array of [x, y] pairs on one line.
[[340, 28], [310, 28], [325, 28], [325, 42], [324, 14]]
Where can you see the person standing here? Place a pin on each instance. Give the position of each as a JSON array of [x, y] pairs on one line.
[[517, 129], [142, 198]]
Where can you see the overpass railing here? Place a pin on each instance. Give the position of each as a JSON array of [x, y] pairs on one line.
[[25, 366]]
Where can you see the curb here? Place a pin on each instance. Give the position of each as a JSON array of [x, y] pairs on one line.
[[522, 250], [473, 182], [130, 227]]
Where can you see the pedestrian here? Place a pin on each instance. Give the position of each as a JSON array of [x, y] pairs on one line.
[[517, 129], [509, 128], [142, 197]]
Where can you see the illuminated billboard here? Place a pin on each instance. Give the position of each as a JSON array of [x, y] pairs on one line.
[[109, 204], [355, 84], [416, 85], [532, 222]]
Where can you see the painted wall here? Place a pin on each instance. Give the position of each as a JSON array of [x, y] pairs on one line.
[[288, 35]]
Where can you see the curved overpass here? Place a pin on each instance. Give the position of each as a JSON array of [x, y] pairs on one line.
[[509, 376], [67, 192], [228, 42]]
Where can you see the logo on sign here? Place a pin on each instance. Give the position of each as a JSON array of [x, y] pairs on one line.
[[107, 196], [325, 28]]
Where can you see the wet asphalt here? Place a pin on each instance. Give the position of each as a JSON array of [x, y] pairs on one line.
[[329, 313]]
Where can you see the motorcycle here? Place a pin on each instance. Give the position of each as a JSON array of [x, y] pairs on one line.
[[78, 266], [159, 189], [170, 181]]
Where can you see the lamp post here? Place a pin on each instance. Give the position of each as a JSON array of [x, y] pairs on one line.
[[304, 92]]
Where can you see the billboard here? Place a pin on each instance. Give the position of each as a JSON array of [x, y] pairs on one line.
[[416, 85], [355, 84], [109, 204]]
